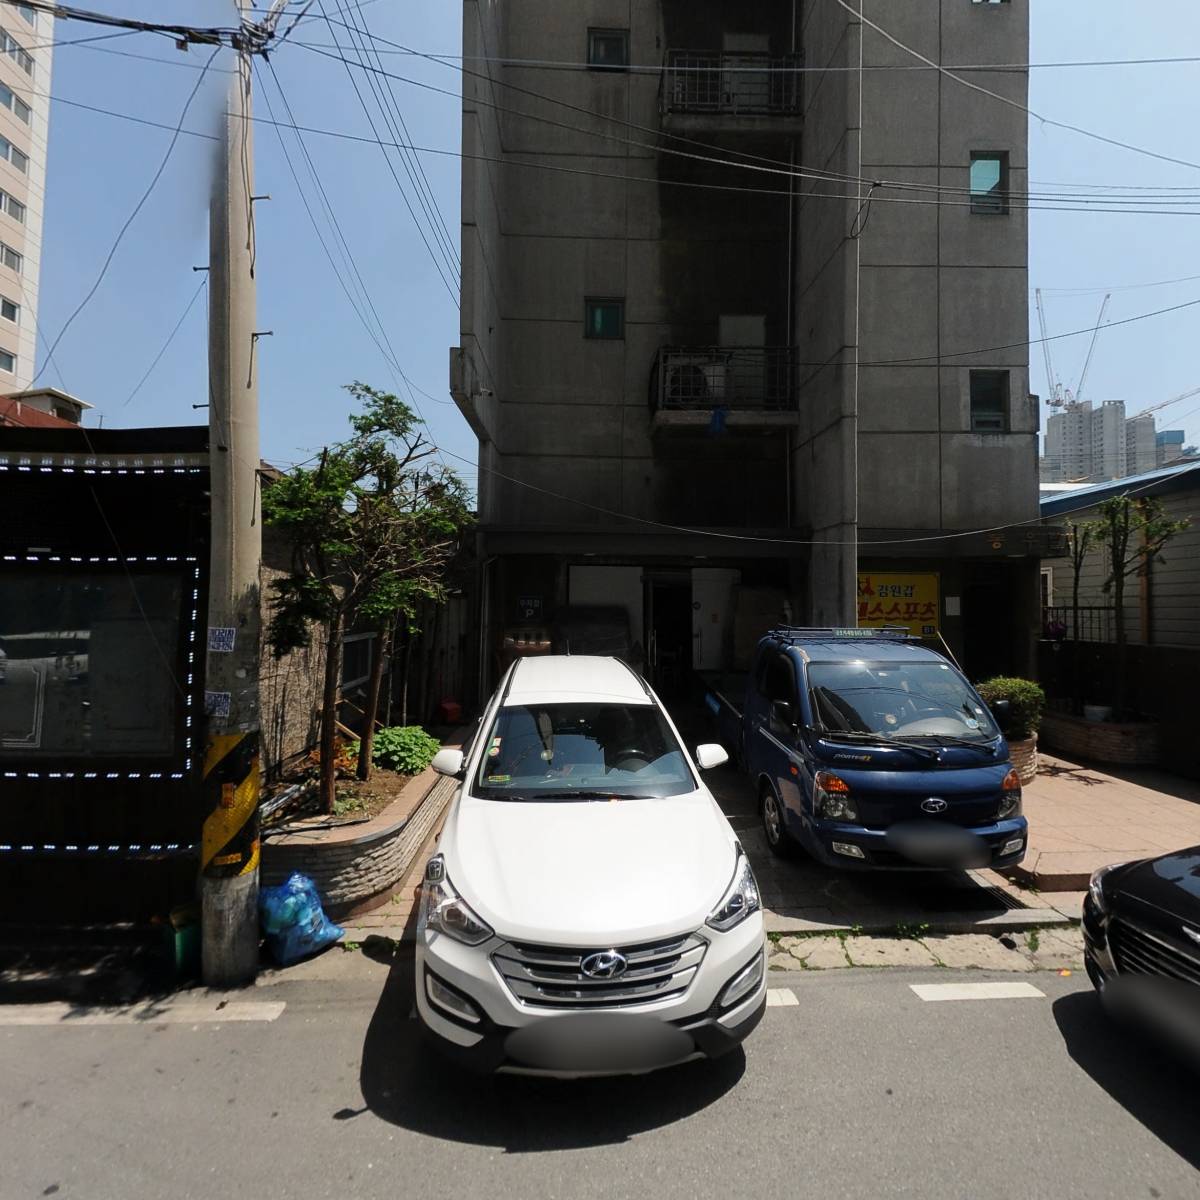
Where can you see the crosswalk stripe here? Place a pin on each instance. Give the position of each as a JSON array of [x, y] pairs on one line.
[[167, 1012], [781, 997], [977, 991]]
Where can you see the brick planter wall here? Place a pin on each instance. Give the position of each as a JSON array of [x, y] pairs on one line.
[[357, 867], [1133, 743]]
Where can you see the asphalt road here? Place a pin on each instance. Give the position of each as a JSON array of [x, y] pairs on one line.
[[858, 1089]]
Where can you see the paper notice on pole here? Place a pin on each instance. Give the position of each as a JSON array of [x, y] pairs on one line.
[[216, 704], [221, 640]]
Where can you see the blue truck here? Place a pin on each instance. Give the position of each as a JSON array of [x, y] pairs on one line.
[[869, 750]]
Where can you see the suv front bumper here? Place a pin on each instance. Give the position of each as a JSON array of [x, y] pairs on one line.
[[511, 1036]]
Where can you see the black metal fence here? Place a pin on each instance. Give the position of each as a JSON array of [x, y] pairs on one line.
[[749, 378], [1096, 623], [733, 83]]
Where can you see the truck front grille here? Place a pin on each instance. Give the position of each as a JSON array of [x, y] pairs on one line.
[[553, 977]]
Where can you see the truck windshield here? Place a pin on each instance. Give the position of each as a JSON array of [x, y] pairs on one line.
[[903, 700], [582, 752]]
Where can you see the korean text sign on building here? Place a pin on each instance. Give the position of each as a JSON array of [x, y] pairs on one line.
[[909, 600]]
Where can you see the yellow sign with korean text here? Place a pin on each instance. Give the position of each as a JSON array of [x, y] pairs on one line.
[[908, 600]]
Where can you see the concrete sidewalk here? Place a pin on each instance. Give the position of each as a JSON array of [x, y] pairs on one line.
[[1081, 818]]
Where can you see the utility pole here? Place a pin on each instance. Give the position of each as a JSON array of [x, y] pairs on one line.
[[229, 856]]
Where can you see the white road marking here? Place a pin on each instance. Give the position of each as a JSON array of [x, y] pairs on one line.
[[781, 998], [166, 1012], [977, 991]]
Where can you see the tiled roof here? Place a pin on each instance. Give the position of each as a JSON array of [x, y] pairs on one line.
[[13, 412]]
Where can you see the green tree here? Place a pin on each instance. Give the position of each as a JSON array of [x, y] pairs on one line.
[[1134, 532], [371, 527], [1081, 537]]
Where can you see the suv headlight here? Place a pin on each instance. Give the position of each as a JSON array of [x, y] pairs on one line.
[[740, 899], [445, 911], [831, 797], [1010, 797]]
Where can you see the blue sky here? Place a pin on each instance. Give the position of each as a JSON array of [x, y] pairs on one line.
[[99, 166]]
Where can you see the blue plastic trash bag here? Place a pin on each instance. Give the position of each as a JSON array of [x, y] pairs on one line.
[[293, 920]]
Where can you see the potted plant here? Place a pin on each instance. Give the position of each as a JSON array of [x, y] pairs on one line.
[[1021, 703]]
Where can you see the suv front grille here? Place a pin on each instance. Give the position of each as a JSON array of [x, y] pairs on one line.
[[1139, 953], [552, 976]]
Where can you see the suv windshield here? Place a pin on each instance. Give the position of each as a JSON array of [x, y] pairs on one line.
[[582, 752], [903, 700]]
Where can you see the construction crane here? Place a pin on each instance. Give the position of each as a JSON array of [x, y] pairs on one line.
[[1174, 400], [1059, 396], [1055, 399], [1087, 362]]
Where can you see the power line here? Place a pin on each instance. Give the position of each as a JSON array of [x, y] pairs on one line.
[[975, 87], [415, 167], [166, 345], [777, 541], [162, 166], [437, 262], [1128, 287]]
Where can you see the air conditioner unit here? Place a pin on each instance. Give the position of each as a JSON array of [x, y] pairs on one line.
[[694, 381]]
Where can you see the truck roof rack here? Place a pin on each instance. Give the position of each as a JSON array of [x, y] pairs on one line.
[[892, 633]]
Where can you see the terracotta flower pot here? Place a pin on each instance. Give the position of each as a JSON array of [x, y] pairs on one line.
[[1023, 753]]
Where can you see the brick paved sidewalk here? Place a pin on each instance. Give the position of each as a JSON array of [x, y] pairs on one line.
[[1081, 818]]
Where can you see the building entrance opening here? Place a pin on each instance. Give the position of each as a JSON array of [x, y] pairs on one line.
[[669, 632]]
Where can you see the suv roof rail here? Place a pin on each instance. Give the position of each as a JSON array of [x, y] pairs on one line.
[[829, 633]]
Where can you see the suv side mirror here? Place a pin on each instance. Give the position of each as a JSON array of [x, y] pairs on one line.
[[448, 762], [1002, 711], [711, 755], [781, 711]]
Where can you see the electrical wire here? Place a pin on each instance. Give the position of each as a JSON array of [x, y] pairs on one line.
[[167, 344], [778, 541], [412, 161], [438, 264], [1024, 108], [162, 166]]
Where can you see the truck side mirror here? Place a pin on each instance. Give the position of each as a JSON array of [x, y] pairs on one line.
[[1002, 711], [781, 711]]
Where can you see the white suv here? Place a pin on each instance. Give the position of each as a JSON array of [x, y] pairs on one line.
[[589, 910]]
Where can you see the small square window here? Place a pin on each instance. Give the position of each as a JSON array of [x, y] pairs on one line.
[[9, 311], [14, 208], [989, 182], [608, 49], [989, 401], [604, 319], [8, 362]]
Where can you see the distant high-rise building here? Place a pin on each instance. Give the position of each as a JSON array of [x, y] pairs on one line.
[[26, 40], [1090, 445], [1141, 450], [1168, 446]]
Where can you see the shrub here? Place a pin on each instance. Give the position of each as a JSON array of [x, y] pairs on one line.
[[404, 748], [1026, 703]]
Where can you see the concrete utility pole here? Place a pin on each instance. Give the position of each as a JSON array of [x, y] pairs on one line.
[[229, 846]]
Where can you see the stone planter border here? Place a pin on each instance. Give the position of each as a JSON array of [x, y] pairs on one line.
[[358, 866], [1023, 753], [1131, 743]]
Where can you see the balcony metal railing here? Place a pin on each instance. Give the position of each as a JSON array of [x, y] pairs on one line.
[[701, 378], [732, 84]]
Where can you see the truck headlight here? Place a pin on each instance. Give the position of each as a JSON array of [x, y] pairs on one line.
[[831, 798], [740, 899], [1010, 797], [445, 911]]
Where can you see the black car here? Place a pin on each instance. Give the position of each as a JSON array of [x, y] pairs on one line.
[[1141, 933]]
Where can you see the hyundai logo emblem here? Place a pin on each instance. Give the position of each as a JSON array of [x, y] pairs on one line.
[[605, 964], [935, 804]]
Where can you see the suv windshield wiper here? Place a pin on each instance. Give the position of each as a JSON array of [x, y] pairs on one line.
[[875, 739], [592, 794]]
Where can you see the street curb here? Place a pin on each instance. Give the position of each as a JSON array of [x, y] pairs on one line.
[[1015, 921], [1066, 881]]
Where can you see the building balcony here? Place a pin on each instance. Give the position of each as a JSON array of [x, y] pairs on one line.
[[734, 92], [724, 387]]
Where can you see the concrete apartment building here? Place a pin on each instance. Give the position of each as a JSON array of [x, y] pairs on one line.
[[720, 379], [1092, 445]]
